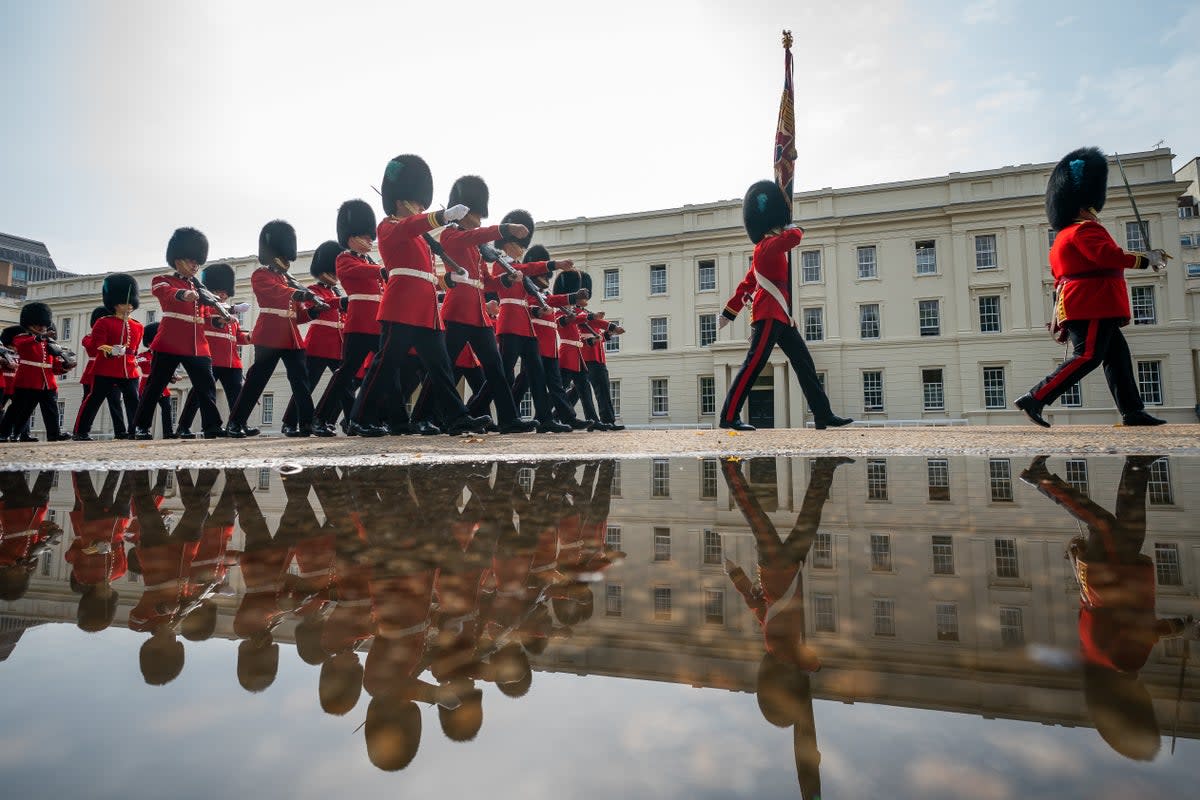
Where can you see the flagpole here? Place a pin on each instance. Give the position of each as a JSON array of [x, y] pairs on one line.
[[784, 156]]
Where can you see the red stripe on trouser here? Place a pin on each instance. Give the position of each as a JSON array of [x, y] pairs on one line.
[[740, 387], [91, 388], [1076, 362]]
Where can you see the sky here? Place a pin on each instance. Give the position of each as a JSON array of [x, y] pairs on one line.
[[125, 120]]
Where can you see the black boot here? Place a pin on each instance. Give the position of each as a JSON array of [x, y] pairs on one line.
[[1140, 419], [142, 435], [832, 421], [1032, 408], [738, 425]]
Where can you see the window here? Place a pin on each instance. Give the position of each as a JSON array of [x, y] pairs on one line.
[[1050, 236], [612, 284], [658, 397], [989, 314], [46, 562], [884, 612], [1150, 382], [660, 478], [946, 618], [1158, 490], [151, 316], [810, 266], [933, 390], [708, 329], [62, 414], [1012, 628], [1166, 564], [658, 279], [1006, 559], [1193, 270], [1000, 480], [868, 267], [616, 479], [930, 317], [824, 619], [881, 552], [714, 553], [927, 257], [614, 389], [658, 333], [1072, 398], [708, 395], [706, 275], [525, 407], [612, 537], [662, 602], [1187, 212], [65, 333], [872, 390], [268, 409], [937, 472], [708, 479], [614, 602], [1185, 240], [714, 607], [525, 476], [662, 544], [943, 555], [985, 251], [822, 551], [993, 387], [1135, 237], [1142, 300], [613, 343], [868, 321], [877, 483], [814, 324], [264, 479], [1077, 473]]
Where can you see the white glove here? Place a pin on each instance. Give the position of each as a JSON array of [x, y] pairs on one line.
[[240, 308], [118, 350], [455, 213], [1157, 259], [722, 321]]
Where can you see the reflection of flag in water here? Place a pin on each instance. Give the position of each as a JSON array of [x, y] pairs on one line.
[[785, 130]]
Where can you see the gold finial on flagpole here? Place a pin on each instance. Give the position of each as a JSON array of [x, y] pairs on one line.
[[787, 40]]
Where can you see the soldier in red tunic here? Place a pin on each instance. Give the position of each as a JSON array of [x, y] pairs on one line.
[[120, 423], [1093, 301], [324, 340], [545, 325], [276, 334], [163, 401], [35, 383], [97, 553], [767, 214], [24, 532], [181, 340], [595, 332], [409, 308], [225, 340], [571, 363], [116, 339]]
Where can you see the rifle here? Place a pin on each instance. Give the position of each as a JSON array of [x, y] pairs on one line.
[[282, 269], [492, 255]]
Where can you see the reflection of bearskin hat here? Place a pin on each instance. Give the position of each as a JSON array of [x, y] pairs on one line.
[[518, 216], [98, 312], [325, 258], [472, 192], [257, 663], [36, 314], [392, 731], [119, 288], [277, 239], [188, 244], [784, 691], [765, 208], [406, 177], [1122, 711], [218, 278], [1080, 180], [148, 333], [355, 218], [8, 334]]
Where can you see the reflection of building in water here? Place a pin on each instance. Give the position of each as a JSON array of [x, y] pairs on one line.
[[926, 577]]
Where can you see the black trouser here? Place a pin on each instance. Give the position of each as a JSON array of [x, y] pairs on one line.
[[103, 390], [339, 394], [265, 361], [20, 411], [114, 409], [1095, 342], [381, 378], [579, 388], [513, 346], [555, 390], [199, 370], [764, 335], [230, 379], [423, 411], [315, 367], [483, 342], [598, 376]]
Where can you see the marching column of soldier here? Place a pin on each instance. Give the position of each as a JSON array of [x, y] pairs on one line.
[[401, 324]]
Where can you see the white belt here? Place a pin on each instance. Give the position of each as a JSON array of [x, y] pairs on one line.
[[388, 632], [220, 335], [548, 323], [405, 272], [512, 301], [279, 312], [35, 363], [184, 317], [572, 342], [374, 298], [326, 322], [474, 284]]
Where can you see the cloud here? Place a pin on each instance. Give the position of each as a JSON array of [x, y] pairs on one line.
[[982, 11]]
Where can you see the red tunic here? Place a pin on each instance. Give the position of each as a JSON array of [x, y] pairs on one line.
[[163, 569], [225, 341], [116, 331], [276, 326], [514, 300], [36, 368], [545, 324], [466, 358], [361, 279], [464, 300], [85, 379], [770, 261], [144, 360], [324, 336], [181, 330], [411, 293], [593, 352], [1089, 271], [570, 350], [97, 553]]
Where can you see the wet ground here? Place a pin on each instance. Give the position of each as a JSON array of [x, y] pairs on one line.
[[900, 623]]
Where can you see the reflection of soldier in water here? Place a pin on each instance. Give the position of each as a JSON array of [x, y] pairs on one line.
[[24, 533], [1117, 624], [777, 600], [97, 553]]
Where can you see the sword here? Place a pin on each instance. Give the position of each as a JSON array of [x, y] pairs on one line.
[[1136, 215]]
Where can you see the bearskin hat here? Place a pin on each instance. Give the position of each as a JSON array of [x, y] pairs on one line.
[[518, 216], [536, 253], [218, 278], [406, 177], [277, 239], [1080, 180], [188, 244], [355, 218], [324, 258], [11, 332], [119, 288], [472, 192], [148, 333], [98, 312], [765, 208], [36, 314]]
